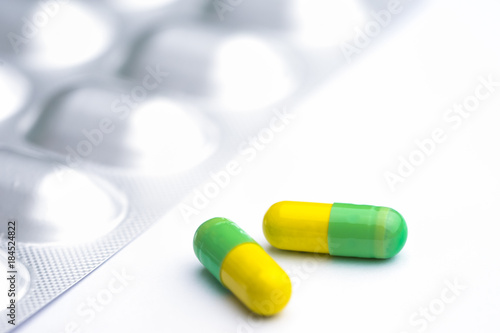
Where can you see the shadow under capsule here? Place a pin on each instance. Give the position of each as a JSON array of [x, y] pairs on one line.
[[209, 280], [324, 257]]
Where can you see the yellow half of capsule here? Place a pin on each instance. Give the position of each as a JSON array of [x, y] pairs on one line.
[[298, 226], [256, 279]]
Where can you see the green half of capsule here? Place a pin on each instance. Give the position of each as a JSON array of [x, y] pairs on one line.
[[214, 239], [338, 229]]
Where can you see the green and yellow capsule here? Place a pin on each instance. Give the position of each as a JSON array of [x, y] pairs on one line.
[[338, 229], [242, 266]]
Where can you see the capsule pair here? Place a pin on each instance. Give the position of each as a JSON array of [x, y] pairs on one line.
[[243, 266]]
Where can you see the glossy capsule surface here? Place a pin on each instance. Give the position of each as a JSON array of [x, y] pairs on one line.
[[338, 229], [242, 266]]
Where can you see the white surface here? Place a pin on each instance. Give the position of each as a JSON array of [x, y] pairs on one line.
[[346, 135]]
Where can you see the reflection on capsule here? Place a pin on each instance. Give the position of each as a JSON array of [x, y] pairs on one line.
[[339, 229], [242, 266]]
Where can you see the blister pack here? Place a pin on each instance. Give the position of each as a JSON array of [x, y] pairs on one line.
[[112, 112]]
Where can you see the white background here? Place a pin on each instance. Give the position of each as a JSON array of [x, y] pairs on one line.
[[346, 135]]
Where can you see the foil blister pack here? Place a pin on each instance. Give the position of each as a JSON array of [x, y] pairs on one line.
[[113, 111]]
